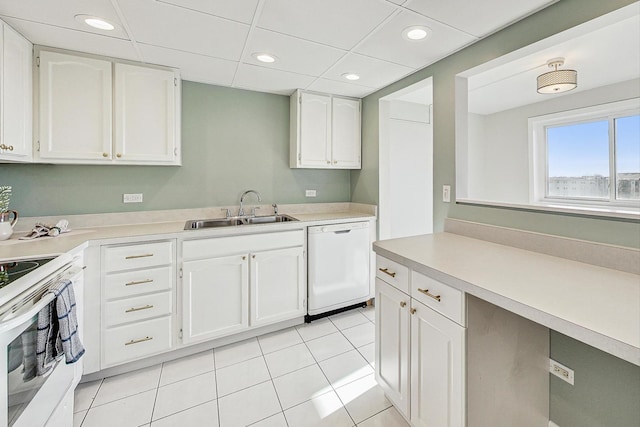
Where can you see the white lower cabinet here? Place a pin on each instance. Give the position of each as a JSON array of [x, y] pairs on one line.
[[137, 301], [393, 344], [232, 284], [214, 292], [420, 353], [437, 369], [277, 285]]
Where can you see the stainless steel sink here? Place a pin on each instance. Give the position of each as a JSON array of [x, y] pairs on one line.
[[197, 224], [268, 219]]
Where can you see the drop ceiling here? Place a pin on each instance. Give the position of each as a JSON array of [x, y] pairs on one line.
[[315, 41]]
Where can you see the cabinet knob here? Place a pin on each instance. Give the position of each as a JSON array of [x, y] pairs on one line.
[[244, 257], [105, 155], [413, 311], [6, 147], [328, 162], [118, 155], [335, 162], [253, 256], [403, 303]]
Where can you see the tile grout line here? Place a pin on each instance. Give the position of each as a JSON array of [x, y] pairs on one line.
[[272, 385], [215, 381]]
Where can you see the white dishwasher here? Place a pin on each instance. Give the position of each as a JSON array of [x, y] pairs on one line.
[[338, 266]]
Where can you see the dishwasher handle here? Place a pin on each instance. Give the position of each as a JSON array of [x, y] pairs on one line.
[[342, 231]]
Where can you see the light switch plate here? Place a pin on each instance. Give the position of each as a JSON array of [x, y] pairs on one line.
[[446, 193]]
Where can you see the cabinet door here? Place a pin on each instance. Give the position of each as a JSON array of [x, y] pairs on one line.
[[437, 369], [145, 118], [16, 141], [75, 108], [277, 285], [392, 344], [315, 130], [345, 130], [215, 297]]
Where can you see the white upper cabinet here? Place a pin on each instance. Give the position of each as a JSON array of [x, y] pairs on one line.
[[345, 133], [145, 122], [16, 99], [74, 108], [325, 131], [97, 111]]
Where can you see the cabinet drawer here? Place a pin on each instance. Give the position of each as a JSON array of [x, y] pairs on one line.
[[138, 340], [130, 283], [393, 273], [144, 255], [442, 298], [232, 245], [137, 308]]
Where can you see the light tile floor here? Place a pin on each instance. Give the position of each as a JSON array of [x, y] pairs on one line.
[[317, 374]]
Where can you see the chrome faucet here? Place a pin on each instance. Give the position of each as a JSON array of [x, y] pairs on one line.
[[241, 210]]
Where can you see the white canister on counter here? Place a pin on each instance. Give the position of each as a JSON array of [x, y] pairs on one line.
[[6, 224]]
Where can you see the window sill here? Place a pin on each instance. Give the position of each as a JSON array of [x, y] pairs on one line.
[[619, 213]]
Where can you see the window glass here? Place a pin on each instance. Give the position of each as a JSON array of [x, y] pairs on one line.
[[627, 131], [578, 160]]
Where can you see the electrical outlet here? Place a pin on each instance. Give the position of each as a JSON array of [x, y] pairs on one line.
[[561, 371], [132, 198], [446, 193], [310, 193]]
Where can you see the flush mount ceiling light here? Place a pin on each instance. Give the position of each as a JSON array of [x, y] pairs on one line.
[[264, 57], [557, 81], [95, 22], [416, 32], [351, 76]]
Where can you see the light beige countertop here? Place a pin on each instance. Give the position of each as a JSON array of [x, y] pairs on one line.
[[87, 233], [596, 305]]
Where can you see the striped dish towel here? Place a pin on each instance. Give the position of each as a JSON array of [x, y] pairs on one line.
[[58, 329]]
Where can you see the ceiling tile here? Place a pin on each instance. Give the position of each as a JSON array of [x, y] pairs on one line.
[[294, 54], [268, 80], [478, 18], [236, 10], [373, 72], [164, 25], [47, 35], [61, 13], [336, 23], [194, 67], [388, 43], [341, 88]]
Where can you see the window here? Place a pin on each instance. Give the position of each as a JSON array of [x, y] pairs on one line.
[[589, 156]]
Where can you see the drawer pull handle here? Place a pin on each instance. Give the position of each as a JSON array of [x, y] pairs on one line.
[[403, 304], [386, 271], [138, 256], [138, 340], [138, 282], [132, 309], [430, 295]]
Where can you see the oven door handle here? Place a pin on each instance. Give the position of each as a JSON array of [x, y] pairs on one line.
[[12, 322]]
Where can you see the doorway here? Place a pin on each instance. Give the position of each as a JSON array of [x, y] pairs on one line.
[[406, 161]]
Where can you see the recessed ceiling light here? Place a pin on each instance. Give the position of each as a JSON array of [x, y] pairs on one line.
[[351, 76], [417, 32], [95, 22], [264, 57]]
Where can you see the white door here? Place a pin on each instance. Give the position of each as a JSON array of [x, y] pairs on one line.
[[392, 344], [437, 369], [145, 118], [315, 130], [16, 141], [345, 133], [75, 107], [215, 297], [277, 285]]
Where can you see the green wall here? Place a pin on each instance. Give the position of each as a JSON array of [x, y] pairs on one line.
[[605, 384], [232, 140]]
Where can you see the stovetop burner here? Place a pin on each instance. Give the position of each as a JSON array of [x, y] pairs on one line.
[[12, 271]]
